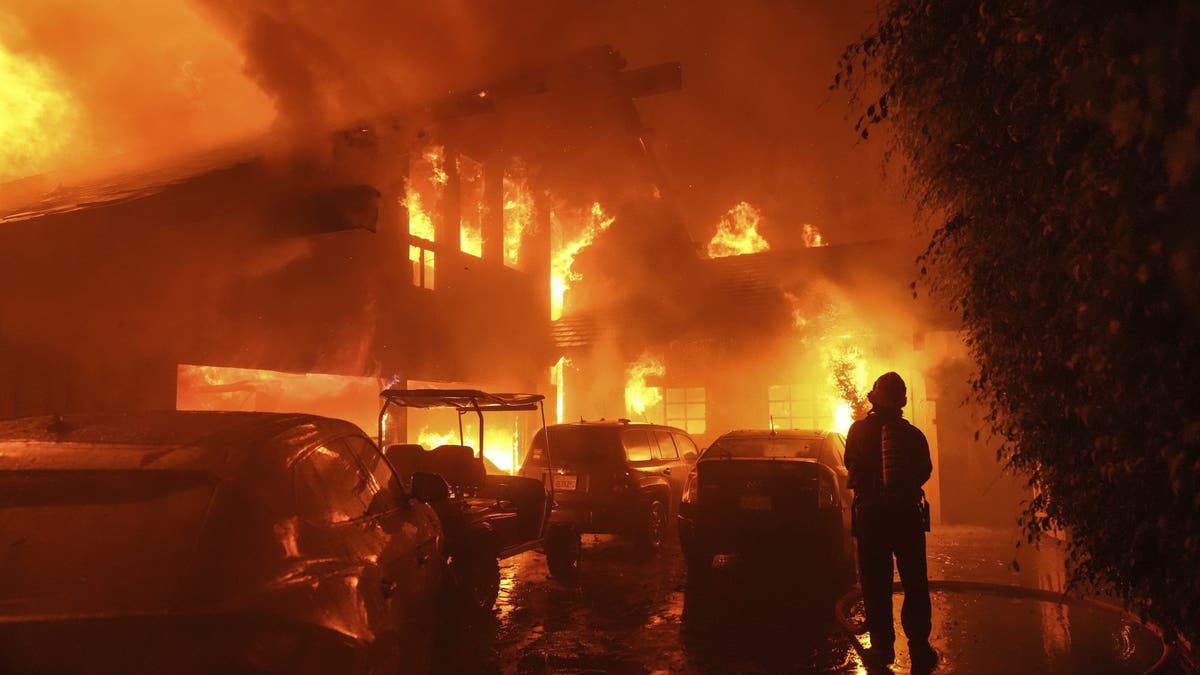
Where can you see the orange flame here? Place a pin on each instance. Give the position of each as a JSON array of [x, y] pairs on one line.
[[501, 444], [518, 213], [474, 206], [640, 398], [38, 117], [561, 275], [812, 236], [423, 191], [737, 233]]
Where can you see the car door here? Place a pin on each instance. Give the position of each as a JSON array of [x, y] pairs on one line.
[[671, 463], [374, 551], [639, 455], [405, 541]]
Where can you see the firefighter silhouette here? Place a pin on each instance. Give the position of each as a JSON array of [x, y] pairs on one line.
[[888, 461]]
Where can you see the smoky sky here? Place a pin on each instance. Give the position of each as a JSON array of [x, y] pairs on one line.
[[754, 121]]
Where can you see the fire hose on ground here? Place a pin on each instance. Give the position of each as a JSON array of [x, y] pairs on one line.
[[856, 628]]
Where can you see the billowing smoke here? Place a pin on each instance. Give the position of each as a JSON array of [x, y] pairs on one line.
[[754, 121]]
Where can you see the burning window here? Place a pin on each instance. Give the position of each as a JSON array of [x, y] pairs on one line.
[[518, 211], [686, 409], [795, 407], [571, 230], [474, 206], [422, 266], [423, 191]]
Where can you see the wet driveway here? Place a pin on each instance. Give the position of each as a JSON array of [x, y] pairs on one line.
[[632, 614]]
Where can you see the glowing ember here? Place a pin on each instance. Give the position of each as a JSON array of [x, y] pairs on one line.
[[474, 206], [812, 236], [640, 398], [423, 192], [38, 118], [563, 257], [737, 233], [518, 212]]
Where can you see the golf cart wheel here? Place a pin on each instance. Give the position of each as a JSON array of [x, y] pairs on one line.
[[563, 552], [654, 526], [474, 570], [476, 580]]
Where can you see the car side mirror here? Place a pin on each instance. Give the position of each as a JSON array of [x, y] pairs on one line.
[[429, 487], [689, 456]]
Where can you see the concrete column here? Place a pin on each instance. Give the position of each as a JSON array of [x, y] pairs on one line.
[[493, 219]]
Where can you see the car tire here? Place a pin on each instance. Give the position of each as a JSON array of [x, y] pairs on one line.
[[564, 550], [653, 529]]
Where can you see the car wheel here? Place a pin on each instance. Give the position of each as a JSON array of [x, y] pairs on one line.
[[563, 552], [654, 528]]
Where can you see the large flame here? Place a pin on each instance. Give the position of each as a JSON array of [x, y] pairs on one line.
[[737, 233], [641, 398], [518, 213], [473, 206], [561, 274], [38, 116], [423, 191], [501, 443]]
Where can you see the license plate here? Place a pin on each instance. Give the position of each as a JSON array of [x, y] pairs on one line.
[[565, 482], [756, 502]]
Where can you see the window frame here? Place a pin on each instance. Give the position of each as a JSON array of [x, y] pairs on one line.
[[687, 402], [690, 441], [658, 435], [650, 446], [343, 450]]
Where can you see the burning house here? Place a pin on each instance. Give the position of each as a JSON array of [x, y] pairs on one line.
[[416, 248], [736, 335], [517, 235]]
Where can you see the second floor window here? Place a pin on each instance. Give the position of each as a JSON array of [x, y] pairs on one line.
[[422, 266]]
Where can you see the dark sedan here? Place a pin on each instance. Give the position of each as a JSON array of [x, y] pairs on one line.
[[210, 542], [770, 494]]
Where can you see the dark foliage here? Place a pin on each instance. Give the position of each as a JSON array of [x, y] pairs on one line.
[[1056, 145]]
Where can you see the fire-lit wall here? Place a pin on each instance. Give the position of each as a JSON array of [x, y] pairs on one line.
[[249, 265], [792, 339]]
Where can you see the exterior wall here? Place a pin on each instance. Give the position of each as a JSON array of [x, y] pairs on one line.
[[102, 304]]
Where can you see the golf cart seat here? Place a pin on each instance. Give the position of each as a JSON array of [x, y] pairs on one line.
[[459, 466], [407, 459]]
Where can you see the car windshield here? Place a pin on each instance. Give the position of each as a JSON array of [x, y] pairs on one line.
[[793, 447], [574, 444]]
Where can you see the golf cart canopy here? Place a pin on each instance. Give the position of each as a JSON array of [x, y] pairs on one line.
[[463, 400]]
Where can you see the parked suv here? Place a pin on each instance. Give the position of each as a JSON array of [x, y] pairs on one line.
[[614, 477]]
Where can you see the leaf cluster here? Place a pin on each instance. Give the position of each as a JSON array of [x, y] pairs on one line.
[[1056, 144]]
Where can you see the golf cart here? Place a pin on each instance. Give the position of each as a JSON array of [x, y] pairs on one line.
[[485, 516]]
